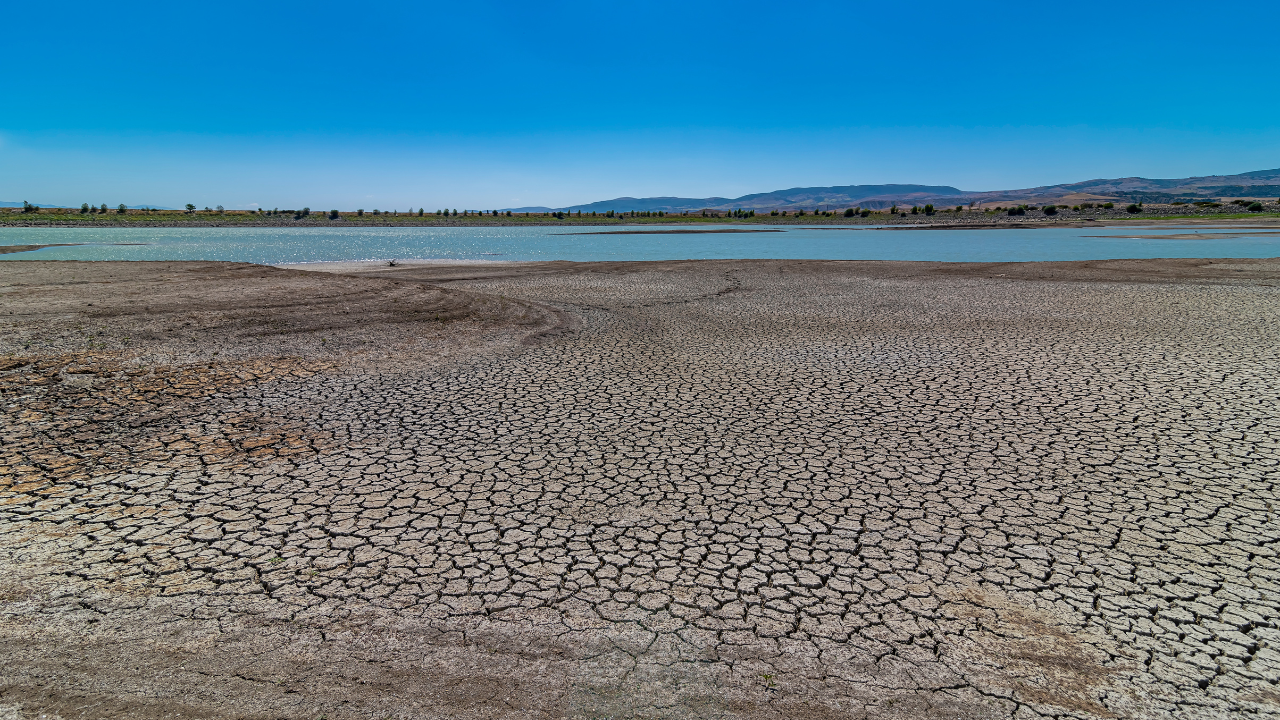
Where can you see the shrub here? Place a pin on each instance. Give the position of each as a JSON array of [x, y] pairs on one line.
[[1050, 210], [103, 208], [1133, 208], [1020, 210], [509, 213], [220, 209], [360, 212], [1237, 202], [848, 212], [866, 213], [120, 209], [1255, 207], [1108, 206], [928, 209], [333, 214], [915, 210], [84, 208]]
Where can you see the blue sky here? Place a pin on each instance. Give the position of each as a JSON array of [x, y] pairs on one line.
[[494, 104]]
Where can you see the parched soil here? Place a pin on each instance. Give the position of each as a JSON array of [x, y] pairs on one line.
[[717, 489]]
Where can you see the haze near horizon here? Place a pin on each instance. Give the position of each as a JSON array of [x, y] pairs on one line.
[[500, 104]]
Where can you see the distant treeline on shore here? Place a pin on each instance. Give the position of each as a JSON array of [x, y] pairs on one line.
[[88, 214]]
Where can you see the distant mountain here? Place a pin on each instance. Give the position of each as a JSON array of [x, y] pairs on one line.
[[19, 204], [809, 197], [1259, 183], [69, 207]]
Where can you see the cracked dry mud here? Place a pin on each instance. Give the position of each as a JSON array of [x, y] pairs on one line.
[[706, 490]]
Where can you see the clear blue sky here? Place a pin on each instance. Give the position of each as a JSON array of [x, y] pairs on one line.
[[495, 104]]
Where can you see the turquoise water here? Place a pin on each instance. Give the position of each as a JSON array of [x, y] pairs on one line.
[[299, 245]]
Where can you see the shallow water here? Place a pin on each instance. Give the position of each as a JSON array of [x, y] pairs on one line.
[[301, 245]]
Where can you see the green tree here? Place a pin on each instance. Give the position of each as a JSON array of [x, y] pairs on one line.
[[120, 209], [84, 208], [333, 214], [102, 209], [1255, 207], [360, 212]]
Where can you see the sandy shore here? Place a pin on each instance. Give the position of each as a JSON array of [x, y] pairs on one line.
[[704, 489]]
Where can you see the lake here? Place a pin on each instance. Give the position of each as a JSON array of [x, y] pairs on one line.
[[275, 246]]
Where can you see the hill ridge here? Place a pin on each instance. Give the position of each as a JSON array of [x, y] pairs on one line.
[[1258, 183]]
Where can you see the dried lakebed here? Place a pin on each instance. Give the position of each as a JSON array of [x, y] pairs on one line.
[[684, 489]]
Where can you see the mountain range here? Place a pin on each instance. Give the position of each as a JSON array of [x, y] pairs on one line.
[[1257, 184], [8, 204]]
